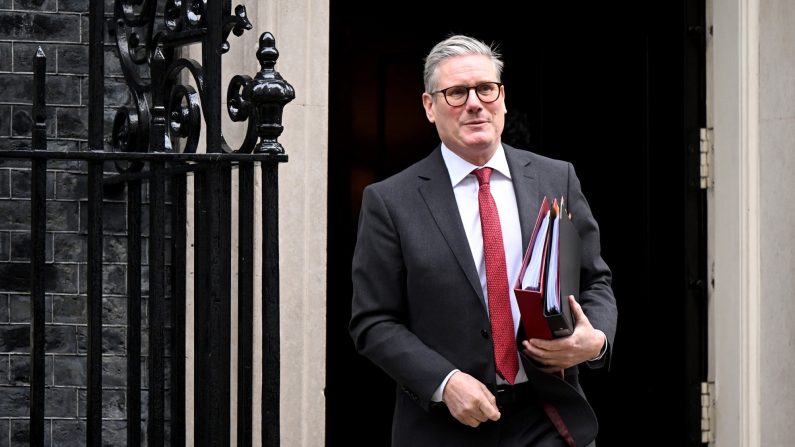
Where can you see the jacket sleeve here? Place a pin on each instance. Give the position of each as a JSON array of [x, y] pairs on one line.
[[596, 292], [378, 323]]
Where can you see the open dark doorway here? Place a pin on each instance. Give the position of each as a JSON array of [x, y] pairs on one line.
[[617, 89]]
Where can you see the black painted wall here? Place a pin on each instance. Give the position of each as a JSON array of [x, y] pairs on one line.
[[60, 27]]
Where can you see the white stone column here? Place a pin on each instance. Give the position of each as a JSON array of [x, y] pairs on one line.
[[734, 223], [776, 218], [301, 30], [751, 213]]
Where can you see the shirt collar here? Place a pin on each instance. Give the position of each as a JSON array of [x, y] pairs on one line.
[[458, 168]]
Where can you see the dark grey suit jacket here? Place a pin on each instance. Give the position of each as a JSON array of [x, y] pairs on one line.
[[418, 310]]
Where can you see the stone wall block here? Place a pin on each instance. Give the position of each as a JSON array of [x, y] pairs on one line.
[[60, 278], [112, 63], [114, 310], [60, 402], [5, 371], [114, 279], [15, 338], [71, 186], [38, 5], [19, 25], [70, 370], [62, 90], [16, 88], [114, 371], [69, 309], [117, 93], [5, 57], [25, 54], [114, 217], [5, 253], [20, 184], [114, 432], [114, 406], [114, 340], [69, 433], [73, 5], [22, 122], [21, 246], [73, 59], [60, 339], [69, 247], [14, 215], [19, 308], [5, 115], [20, 433], [114, 249], [72, 122], [5, 423], [14, 401], [20, 369], [62, 216]]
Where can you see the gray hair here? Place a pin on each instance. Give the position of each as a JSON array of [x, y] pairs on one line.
[[458, 45]]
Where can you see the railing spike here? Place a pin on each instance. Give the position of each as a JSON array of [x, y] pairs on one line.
[[39, 133]]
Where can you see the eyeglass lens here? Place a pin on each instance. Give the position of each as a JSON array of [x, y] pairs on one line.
[[486, 92]]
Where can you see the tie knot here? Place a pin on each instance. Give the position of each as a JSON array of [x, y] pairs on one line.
[[483, 175]]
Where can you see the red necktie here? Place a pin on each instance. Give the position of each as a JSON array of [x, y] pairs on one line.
[[497, 281]]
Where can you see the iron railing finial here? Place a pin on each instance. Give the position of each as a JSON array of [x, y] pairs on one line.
[[266, 96]]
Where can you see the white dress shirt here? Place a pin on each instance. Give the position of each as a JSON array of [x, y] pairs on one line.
[[466, 187]]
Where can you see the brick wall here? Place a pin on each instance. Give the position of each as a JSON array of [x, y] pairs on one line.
[[60, 27]]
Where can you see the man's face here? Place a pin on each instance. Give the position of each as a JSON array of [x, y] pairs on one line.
[[471, 130]]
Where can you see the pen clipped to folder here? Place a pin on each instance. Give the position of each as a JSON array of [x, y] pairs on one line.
[[550, 273]]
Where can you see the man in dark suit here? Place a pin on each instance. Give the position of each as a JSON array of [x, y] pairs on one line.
[[428, 287]]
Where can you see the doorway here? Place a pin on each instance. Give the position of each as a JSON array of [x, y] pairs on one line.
[[618, 90]]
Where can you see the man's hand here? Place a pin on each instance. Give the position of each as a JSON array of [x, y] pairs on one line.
[[557, 354], [469, 400]]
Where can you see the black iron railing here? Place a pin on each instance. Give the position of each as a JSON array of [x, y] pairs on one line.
[[155, 143]]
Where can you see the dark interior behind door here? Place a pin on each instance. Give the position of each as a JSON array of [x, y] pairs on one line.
[[614, 87]]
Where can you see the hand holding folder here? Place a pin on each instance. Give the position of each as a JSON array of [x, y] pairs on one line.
[[550, 273]]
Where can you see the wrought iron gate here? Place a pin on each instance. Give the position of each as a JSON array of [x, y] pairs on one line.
[[154, 154]]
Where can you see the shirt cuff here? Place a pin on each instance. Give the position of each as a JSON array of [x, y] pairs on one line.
[[437, 395], [602, 352]]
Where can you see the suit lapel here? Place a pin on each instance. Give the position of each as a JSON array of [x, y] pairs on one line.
[[437, 192], [526, 190]]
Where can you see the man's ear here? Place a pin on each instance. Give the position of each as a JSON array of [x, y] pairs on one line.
[[427, 104]]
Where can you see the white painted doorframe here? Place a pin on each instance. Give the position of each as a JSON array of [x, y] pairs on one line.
[[733, 201]]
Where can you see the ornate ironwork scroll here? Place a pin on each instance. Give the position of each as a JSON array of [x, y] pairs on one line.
[[166, 114]]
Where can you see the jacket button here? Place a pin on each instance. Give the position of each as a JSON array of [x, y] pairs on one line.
[[484, 333]]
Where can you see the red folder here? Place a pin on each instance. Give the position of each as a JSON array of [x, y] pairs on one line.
[[550, 273]]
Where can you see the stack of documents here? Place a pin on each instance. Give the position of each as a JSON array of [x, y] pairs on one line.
[[550, 273]]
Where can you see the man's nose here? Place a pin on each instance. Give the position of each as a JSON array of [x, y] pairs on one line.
[[473, 100]]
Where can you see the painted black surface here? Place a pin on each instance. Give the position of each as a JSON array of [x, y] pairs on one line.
[[617, 89]]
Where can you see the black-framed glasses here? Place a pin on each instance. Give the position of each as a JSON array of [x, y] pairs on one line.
[[457, 95]]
